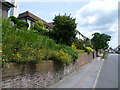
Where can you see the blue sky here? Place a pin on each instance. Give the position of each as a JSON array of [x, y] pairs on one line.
[[47, 10], [91, 15]]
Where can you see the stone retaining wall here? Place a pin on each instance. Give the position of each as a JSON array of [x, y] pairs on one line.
[[40, 75]]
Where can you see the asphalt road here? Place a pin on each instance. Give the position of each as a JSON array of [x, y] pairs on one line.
[[108, 77]]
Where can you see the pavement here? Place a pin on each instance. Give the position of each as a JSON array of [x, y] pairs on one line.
[[85, 77]]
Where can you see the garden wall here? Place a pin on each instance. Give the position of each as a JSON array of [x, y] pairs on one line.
[[40, 75]]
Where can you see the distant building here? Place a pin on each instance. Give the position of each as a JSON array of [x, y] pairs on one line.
[[118, 48], [30, 18], [4, 8]]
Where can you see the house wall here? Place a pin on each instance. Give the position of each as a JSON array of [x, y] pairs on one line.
[[40, 75], [0, 9], [29, 22], [4, 10]]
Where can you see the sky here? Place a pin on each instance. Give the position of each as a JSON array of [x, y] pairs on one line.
[[91, 15]]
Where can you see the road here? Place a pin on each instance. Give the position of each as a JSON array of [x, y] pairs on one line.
[[108, 77], [97, 74]]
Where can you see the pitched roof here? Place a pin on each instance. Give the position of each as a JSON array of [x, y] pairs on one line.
[[33, 18], [51, 24], [118, 47], [8, 4]]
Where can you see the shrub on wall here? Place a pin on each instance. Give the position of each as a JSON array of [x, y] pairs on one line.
[[72, 52], [82, 48], [60, 56], [89, 49]]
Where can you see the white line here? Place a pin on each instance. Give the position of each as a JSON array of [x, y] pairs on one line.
[[94, 85]]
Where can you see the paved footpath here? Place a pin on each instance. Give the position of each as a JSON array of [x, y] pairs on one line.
[[85, 77]]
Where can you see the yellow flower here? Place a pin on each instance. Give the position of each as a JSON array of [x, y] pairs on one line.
[[6, 59], [28, 57], [19, 55], [0, 50], [73, 46], [3, 60]]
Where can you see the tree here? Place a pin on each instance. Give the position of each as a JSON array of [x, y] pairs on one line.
[[40, 27], [100, 41], [64, 29]]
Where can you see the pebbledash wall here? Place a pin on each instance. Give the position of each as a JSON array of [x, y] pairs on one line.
[[40, 75]]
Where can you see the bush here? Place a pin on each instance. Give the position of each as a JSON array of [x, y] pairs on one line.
[[82, 48], [72, 52], [40, 27], [89, 49], [19, 23], [61, 57]]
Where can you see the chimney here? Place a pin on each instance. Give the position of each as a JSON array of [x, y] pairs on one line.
[[14, 11]]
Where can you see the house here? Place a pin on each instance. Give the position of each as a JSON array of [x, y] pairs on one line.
[[4, 8], [118, 48], [30, 18]]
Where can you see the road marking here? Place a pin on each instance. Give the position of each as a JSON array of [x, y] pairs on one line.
[[94, 85]]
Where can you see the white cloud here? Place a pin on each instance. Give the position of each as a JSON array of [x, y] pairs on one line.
[[114, 30], [114, 27], [114, 40], [98, 16]]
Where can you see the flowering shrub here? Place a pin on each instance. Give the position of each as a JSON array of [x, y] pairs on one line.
[[71, 51], [89, 49], [73, 46], [60, 56]]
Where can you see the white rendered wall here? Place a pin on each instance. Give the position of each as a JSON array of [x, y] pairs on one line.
[[29, 22], [15, 10]]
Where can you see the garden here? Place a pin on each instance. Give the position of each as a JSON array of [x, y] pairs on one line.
[[21, 45]]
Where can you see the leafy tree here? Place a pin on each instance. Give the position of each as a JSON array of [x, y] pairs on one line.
[[64, 29], [100, 41], [40, 27], [19, 23]]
